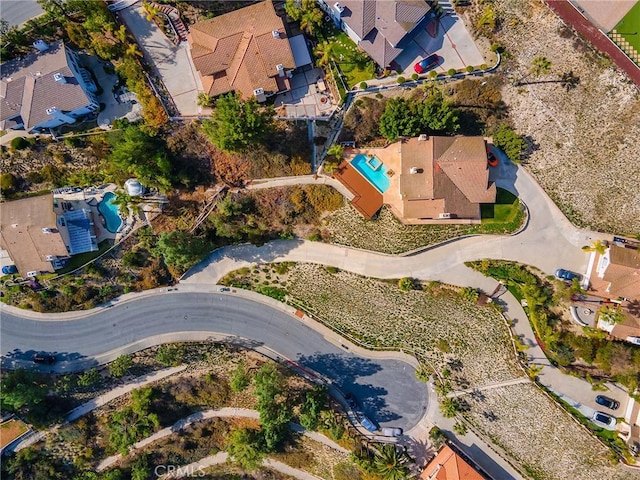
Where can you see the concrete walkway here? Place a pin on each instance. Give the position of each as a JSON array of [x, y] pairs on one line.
[[120, 391], [194, 468], [217, 413]]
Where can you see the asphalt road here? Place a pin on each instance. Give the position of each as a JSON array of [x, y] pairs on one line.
[[387, 389], [16, 12]]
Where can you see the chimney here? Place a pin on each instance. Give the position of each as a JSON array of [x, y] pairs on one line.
[[59, 78], [422, 138], [280, 69], [414, 170], [339, 8]]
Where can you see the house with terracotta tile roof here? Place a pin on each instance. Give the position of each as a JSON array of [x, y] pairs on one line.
[[45, 89], [448, 465], [423, 180], [380, 27], [247, 51], [619, 267]]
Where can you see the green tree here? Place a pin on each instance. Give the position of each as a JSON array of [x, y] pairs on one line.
[[246, 447], [448, 407], [325, 53], [612, 315], [390, 463], [34, 464], [121, 365], [293, 9], [510, 142], [240, 378], [315, 401], [8, 182], [132, 423], [181, 249], [138, 154], [273, 405], [21, 388], [438, 114], [235, 125], [336, 150], [399, 120], [539, 66]]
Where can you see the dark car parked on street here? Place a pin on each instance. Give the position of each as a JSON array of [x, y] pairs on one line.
[[9, 269], [607, 402], [351, 401], [45, 358]]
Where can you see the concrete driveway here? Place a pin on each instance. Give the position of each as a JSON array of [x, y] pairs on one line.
[[172, 63], [452, 42]]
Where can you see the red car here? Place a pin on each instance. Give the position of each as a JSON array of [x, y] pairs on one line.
[[426, 64], [492, 159]]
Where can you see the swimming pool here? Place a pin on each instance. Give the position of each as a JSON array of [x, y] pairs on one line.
[[110, 212], [373, 170]]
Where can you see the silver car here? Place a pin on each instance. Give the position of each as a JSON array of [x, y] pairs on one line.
[[603, 419]]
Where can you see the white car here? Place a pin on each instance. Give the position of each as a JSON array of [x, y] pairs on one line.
[[603, 419], [634, 340]]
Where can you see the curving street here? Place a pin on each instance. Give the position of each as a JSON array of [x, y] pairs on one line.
[[389, 391]]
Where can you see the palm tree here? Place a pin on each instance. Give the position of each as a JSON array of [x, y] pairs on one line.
[[390, 463], [597, 246], [325, 52], [539, 66], [132, 50], [311, 19], [448, 407]]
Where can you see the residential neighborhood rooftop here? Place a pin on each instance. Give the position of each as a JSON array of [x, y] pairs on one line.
[[448, 465], [243, 50], [31, 85]]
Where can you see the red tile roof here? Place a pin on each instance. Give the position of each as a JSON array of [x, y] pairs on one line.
[[240, 51], [448, 465]]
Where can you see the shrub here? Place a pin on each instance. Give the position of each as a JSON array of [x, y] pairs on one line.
[[496, 47], [451, 72], [379, 95], [8, 182], [433, 74], [484, 66], [19, 143], [240, 378], [363, 85], [469, 69], [401, 80], [405, 284], [415, 77]]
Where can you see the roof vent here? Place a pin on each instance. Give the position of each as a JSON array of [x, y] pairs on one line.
[[59, 78], [50, 258], [444, 215], [422, 138], [275, 33], [46, 230], [414, 170], [51, 110], [258, 91], [280, 69], [41, 45], [339, 8]]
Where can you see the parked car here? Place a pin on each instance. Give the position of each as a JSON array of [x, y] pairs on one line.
[[634, 340], [351, 401], [392, 432], [9, 269], [491, 158], [45, 358], [426, 64], [607, 402], [368, 423], [603, 419], [562, 274]]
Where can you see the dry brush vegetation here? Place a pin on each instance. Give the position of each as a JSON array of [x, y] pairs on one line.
[[587, 138]]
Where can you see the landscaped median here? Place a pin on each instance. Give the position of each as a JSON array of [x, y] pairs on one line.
[[467, 343], [386, 234]]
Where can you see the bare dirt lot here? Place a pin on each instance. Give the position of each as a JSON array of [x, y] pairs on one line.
[[586, 140]]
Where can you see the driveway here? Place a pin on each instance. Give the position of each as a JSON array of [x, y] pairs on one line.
[[452, 42], [172, 63]]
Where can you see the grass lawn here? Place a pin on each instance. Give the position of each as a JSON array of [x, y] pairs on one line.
[[355, 65], [78, 260], [629, 27], [504, 210]]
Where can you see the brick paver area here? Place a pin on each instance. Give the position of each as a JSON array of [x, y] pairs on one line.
[[572, 17]]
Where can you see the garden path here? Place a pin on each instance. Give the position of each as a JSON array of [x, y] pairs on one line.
[[489, 386], [217, 413]]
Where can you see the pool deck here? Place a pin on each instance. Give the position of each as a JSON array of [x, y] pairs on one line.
[[87, 199]]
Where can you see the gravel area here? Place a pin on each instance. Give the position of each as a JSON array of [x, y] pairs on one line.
[[587, 139]]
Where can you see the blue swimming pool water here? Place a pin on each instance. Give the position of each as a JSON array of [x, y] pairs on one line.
[[378, 178], [110, 212]]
